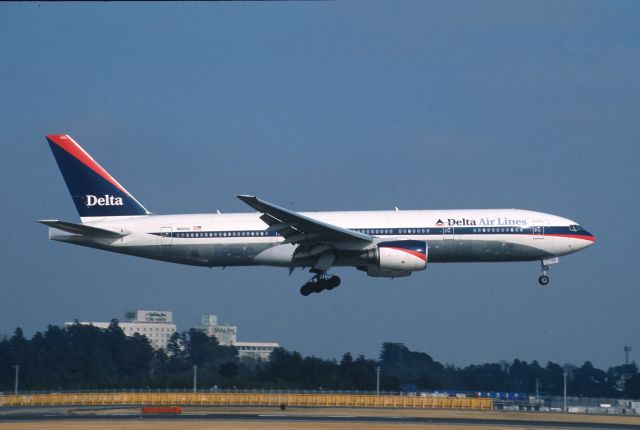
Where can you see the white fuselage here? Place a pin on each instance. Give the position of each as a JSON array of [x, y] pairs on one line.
[[243, 239]]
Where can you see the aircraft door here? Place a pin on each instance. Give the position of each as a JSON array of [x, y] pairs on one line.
[[537, 229], [165, 236], [448, 233]]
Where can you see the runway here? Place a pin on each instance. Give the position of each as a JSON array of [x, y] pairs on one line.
[[310, 419]]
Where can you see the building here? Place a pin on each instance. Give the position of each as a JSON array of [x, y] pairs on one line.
[[259, 350], [227, 335], [157, 326]]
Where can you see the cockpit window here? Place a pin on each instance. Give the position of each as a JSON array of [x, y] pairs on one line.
[[575, 227]]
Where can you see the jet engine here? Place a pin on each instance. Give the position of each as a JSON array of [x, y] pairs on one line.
[[397, 258]]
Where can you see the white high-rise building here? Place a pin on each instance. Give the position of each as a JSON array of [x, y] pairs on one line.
[[157, 326], [227, 335]]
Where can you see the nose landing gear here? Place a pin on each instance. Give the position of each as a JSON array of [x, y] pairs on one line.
[[544, 266], [319, 283]]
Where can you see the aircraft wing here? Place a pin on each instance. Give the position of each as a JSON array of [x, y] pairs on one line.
[[82, 229], [298, 228]]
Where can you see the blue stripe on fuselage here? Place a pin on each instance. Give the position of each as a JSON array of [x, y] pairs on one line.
[[410, 231]]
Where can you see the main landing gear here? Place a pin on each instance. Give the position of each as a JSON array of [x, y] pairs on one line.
[[320, 282]]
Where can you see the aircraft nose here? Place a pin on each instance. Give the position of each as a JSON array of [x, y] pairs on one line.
[[590, 239]]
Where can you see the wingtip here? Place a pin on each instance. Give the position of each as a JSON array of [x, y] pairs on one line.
[[245, 196]]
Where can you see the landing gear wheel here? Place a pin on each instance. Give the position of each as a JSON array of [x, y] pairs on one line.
[[308, 288], [543, 280], [319, 283], [333, 282], [320, 286]]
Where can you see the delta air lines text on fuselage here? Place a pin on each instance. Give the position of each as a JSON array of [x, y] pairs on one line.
[[381, 243]]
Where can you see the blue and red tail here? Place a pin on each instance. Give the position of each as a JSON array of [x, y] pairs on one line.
[[93, 190]]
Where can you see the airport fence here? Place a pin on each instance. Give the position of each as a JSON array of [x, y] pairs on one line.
[[522, 401], [278, 399], [582, 405]]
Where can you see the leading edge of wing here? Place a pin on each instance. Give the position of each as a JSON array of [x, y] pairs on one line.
[[325, 232]]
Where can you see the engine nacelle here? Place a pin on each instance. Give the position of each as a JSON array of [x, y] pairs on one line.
[[385, 273], [397, 258]]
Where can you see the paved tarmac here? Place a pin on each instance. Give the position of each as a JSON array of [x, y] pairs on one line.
[[344, 419]]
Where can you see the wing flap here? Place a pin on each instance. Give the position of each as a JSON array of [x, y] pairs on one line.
[[82, 229]]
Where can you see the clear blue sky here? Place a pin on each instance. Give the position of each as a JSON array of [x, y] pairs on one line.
[[333, 106]]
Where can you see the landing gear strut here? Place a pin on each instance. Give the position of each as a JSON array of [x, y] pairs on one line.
[[544, 266], [320, 282]]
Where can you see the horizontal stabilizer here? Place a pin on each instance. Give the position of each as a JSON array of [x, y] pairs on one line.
[[82, 229]]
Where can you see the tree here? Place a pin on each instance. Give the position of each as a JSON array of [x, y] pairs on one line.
[[81, 356], [632, 387], [228, 369], [409, 366], [553, 379], [591, 382], [618, 375]]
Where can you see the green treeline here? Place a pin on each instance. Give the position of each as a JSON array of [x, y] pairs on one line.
[[81, 357]]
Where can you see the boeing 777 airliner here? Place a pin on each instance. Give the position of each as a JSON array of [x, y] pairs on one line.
[[381, 243]]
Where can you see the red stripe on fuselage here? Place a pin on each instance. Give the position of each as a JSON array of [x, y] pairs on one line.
[[414, 253], [574, 236], [68, 144]]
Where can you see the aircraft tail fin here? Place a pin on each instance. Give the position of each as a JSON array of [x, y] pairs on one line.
[[94, 191]]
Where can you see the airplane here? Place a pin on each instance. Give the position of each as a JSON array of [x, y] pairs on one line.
[[390, 244]]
